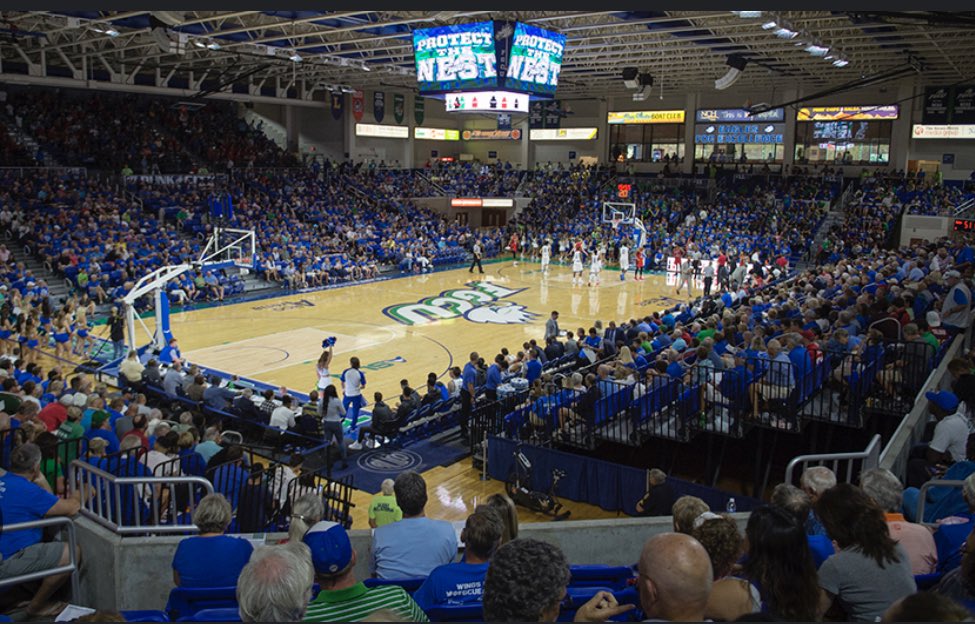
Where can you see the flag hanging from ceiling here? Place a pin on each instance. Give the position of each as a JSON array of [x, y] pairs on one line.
[[379, 106], [358, 105], [418, 109], [337, 101], [399, 107]]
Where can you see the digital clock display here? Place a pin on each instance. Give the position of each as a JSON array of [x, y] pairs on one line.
[[964, 225]]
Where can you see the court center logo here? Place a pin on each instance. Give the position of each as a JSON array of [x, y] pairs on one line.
[[481, 302], [389, 461]]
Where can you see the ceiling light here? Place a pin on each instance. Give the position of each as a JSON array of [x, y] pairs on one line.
[[295, 58], [817, 50], [199, 44], [213, 46], [111, 32], [769, 25], [748, 14], [365, 67], [841, 62], [785, 33]]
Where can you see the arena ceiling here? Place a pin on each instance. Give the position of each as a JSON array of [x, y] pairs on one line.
[[682, 50]]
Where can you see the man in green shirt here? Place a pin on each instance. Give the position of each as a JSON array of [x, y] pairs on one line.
[[342, 598], [383, 509]]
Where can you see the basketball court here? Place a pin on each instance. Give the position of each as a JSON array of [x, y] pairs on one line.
[[404, 328]]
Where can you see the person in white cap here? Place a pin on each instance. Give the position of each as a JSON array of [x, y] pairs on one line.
[[956, 308]]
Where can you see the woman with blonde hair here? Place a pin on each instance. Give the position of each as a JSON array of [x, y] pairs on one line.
[[307, 510], [508, 512]]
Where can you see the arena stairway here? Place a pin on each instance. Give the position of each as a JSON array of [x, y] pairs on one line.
[[58, 287]]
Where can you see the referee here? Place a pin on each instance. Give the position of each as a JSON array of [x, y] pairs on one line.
[[476, 252]]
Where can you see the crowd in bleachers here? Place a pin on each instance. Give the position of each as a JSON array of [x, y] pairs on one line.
[[475, 179]]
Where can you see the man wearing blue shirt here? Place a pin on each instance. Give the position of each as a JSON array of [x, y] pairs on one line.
[[493, 378], [353, 380], [463, 582], [533, 368], [415, 545], [21, 500], [467, 391]]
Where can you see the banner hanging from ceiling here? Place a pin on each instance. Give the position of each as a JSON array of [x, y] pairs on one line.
[[399, 107], [358, 105], [379, 106], [418, 109], [338, 99]]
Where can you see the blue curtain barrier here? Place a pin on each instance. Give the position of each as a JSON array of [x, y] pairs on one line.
[[610, 486]]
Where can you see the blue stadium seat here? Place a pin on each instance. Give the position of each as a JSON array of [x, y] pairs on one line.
[[213, 615], [409, 584], [186, 601], [143, 616], [614, 577], [456, 613]]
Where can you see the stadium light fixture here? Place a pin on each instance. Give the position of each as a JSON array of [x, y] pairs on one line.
[[748, 14], [817, 50], [841, 62], [770, 25], [213, 46], [295, 58], [365, 67], [785, 33]]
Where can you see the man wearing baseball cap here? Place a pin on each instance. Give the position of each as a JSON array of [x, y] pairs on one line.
[[342, 598], [956, 308], [950, 440]]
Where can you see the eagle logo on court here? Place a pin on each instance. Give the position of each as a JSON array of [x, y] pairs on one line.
[[501, 314], [480, 302]]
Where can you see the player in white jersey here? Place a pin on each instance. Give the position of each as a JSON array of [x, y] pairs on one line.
[[595, 266], [624, 260], [577, 268], [546, 255]]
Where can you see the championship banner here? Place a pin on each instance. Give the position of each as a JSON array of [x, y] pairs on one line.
[[935, 110], [379, 106], [399, 107], [963, 105], [553, 114], [504, 121], [418, 109], [536, 115], [337, 103], [358, 105]]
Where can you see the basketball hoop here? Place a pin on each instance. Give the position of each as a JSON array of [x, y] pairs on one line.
[[616, 223]]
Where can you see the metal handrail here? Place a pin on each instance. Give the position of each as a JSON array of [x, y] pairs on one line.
[[72, 567], [922, 497], [107, 511], [870, 457]]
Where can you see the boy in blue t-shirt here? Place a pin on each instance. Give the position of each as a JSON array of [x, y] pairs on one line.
[[463, 582]]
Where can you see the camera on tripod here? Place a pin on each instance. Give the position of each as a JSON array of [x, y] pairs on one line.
[[329, 342]]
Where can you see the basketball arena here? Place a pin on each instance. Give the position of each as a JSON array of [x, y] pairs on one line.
[[463, 316]]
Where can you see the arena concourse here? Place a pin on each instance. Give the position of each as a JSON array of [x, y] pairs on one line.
[[487, 316]]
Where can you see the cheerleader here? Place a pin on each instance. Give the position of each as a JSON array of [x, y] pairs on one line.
[[81, 330], [6, 329], [32, 341], [62, 336], [324, 376]]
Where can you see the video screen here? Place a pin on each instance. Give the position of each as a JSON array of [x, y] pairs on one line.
[[535, 60], [832, 130], [454, 58]]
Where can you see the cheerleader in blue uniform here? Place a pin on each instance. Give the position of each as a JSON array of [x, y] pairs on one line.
[[32, 342], [80, 329], [62, 336]]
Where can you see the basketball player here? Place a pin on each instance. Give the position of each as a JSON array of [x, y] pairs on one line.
[[624, 259], [513, 246], [684, 277], [577, 256], [640, 260], [476, 254], [546, 255], [595, 266]]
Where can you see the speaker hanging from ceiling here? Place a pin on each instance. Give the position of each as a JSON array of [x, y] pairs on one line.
[[736, 64]]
